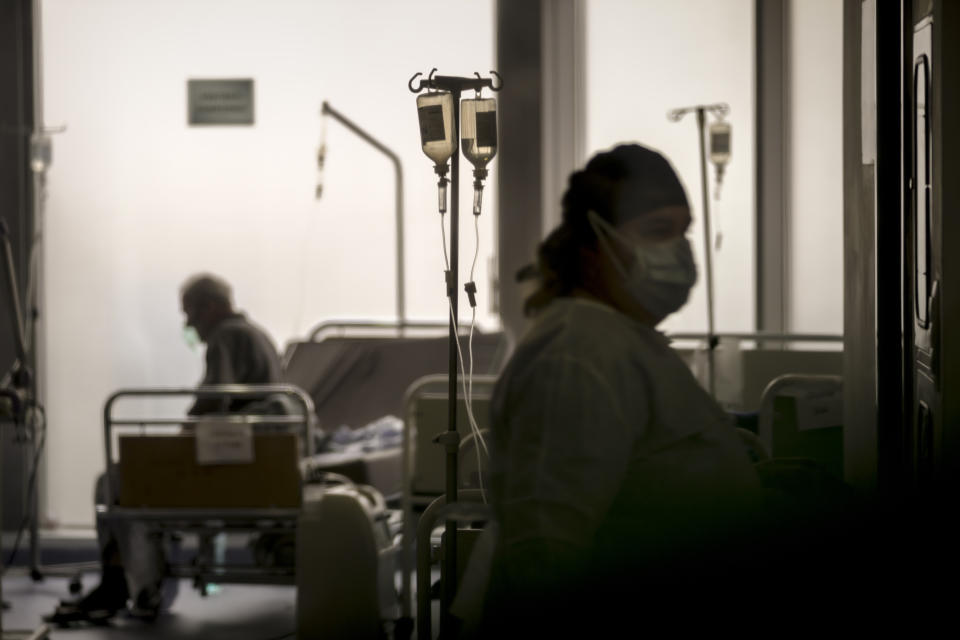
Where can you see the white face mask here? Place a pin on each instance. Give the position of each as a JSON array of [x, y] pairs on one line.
[[661, 275]]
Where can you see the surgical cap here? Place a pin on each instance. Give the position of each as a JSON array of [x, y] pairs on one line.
[[621, 184]]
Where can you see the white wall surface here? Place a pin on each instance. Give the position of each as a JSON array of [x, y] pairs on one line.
[[815, 161], [139, 200], [646, 57]]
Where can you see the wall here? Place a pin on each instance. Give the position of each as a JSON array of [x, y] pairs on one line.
[[519, 57], [139, 200]]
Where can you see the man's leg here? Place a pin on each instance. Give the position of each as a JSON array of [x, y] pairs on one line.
[[132, 567], [144, 566], [139, 555], [111, 594]]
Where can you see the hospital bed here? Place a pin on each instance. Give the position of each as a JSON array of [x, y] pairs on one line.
[[210, 480], [358, 372]]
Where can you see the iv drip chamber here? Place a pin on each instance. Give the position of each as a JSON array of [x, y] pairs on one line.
[[477, 197], [435, 111], [442, 195]]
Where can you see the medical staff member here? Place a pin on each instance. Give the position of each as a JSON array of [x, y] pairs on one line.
[[133, 562], [611, 467]]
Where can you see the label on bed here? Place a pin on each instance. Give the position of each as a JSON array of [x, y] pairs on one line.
[[224, 443]]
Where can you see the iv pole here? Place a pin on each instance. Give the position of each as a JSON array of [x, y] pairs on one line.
[[18, 411], [327, 110], [451, 438], [675, 116]]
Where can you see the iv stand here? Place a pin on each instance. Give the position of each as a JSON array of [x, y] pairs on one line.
[[327, 110], [17, 318], [675, 116], [451, 438]]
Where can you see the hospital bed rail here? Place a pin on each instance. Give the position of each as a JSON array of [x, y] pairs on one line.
[[341, 327], [208, 522], [759, 336], [471, 508], [425, 417]]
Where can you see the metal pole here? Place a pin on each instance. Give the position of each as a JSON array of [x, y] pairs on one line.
[[39, 186], [453, 435], [15, 310], [450, 439], [2, 603], [711, 337], [398, 169]]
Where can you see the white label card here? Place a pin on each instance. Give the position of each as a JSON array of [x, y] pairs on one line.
[[224, 443], [817, 409]]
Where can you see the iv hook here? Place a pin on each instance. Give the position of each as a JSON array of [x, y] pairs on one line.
[[410, 83], [421, 86]]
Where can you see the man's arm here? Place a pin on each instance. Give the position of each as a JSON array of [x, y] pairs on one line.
[[218, 370]]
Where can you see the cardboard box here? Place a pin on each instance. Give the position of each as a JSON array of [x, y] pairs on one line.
[[162, 472]]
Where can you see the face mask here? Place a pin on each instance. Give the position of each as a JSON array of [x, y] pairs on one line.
[[191, 337], [661, 275]]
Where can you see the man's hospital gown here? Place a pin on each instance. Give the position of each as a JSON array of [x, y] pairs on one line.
[[606, 456]]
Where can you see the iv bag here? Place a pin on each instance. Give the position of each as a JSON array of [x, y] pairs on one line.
[[435, 111], [719, 142], [41, 152], [478, 130]]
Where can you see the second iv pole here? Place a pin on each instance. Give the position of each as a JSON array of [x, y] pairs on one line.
[[720, 110]]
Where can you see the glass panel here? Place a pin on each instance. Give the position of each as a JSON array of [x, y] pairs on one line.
[[646, 57], [139, 200], [814, 166]]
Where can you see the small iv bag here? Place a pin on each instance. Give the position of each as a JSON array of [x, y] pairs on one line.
[[435, 111], [719, 149], [41, 152], [478, 134]]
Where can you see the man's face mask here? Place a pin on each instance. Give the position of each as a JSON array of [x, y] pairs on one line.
[[661, 275], [191, 337]]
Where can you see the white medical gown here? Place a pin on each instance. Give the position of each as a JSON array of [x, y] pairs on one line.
[[605, 449]]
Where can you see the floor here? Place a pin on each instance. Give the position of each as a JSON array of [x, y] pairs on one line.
[[235, 612]]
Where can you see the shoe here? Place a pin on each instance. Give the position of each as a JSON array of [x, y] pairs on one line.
[[97, 607], [69, 614], [147, 606]]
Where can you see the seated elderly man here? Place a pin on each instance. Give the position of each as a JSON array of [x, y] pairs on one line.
[[238, 352], [133, 561]]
